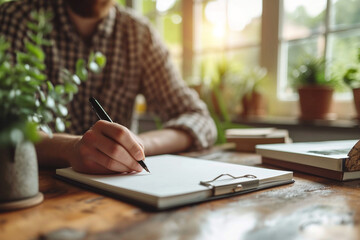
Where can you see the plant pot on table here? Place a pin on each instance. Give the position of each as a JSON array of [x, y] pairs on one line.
[[19, 177]]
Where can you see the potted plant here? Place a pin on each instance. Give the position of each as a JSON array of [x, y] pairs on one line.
[[253, 100], [315, 88], [352, 79], [29, 101]]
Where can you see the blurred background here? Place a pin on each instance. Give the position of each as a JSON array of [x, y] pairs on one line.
[[250, 36]]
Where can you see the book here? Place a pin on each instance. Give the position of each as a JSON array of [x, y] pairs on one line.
[[339, 160], [249, 132], [246, 139], [177, 180]]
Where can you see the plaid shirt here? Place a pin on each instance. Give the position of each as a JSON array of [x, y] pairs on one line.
[[137, 62]]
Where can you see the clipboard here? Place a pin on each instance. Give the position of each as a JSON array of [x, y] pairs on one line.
[[176, 181]]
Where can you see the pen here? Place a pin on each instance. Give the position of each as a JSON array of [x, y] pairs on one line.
[[100, 112]]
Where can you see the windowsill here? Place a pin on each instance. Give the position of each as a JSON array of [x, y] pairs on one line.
[[299, 131]]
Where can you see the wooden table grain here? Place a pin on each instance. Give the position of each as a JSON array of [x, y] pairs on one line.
[[310, 208]]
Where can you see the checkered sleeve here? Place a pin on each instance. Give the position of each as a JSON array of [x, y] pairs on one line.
[[168, 96]]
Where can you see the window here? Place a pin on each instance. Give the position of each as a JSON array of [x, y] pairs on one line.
[[227, 29], [198, 31], [329, 28], [166, 17], [271, 33]]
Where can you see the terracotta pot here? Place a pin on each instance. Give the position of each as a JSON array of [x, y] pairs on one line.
[[19, 178], [315, 102], [356, 93], [253, 105]]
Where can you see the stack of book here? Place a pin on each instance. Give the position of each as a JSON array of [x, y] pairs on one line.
[[339, 160], [246, 139]]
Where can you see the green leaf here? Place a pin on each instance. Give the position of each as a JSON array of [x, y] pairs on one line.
[[50, 102], [47, 116], [50, 86], [31, 132], [96, 62], [32, 26], [35, 50], [46, 129], [62, 110], [76, 79], [81, 71], [94, 67], [42, 96], [71, 88], [59, 89], [100, 59], [59, 125]]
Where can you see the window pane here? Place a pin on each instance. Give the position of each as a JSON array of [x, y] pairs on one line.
[[241, 58], [303, 17], [343, 51], [229, 23], [213, 23], [148, 6], [244, 21], [292, 55], [346, 12], [166, 17], [172, 31], [237, 62]]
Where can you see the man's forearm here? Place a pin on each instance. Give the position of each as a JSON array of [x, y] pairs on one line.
[[56, 151], [165, 141]]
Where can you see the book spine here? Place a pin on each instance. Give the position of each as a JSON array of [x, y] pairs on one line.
[[339, 176]]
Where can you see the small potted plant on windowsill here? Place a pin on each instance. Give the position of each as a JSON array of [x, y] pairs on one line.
[[28, 102], [253, 100], [315, 89], [352, 79]]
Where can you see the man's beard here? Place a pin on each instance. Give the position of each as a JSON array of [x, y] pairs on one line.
[[89, 8]]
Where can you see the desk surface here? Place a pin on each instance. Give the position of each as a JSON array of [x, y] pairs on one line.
[[311, 208]]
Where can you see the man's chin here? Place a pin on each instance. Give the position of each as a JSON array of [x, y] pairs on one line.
[[90, 8]]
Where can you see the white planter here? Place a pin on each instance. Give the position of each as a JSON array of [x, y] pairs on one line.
[[19, 178]]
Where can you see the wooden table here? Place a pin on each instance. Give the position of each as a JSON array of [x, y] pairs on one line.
[[311, 208]]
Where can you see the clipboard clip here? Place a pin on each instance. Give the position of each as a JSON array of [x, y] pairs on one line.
[[232, 185]]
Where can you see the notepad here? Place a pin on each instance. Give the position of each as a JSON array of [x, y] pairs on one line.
[[177, 180]]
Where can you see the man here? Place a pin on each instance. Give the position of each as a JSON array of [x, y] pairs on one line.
[[137, 62]]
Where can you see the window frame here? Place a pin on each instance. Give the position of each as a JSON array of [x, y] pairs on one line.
[[271, 51], [273, 58]]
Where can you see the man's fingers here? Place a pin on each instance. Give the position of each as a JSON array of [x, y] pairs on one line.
[[122, 136], [111, 149], [94, 156]]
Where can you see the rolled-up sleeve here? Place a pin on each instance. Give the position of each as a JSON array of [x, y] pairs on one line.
[[169, 97]]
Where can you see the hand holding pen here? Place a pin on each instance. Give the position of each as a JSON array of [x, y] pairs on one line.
[[108, 147], [100, 112]]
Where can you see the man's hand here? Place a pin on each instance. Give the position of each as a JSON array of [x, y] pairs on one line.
[[107, 147]]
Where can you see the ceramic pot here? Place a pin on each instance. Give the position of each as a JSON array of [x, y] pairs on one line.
[[356, 94], [253, 105], [18, 173], [315, 102]]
